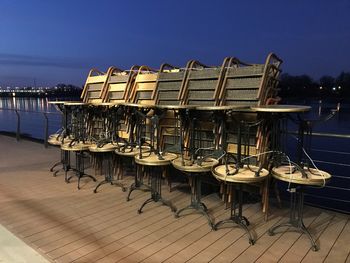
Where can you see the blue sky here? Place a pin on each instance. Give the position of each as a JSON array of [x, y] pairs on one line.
[[52, 42]]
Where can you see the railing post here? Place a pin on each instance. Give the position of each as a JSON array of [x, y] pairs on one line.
[[46, 131], [18, 132]]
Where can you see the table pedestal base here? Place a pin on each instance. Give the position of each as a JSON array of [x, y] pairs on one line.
[[296, 215], [156, 190], [80, 169], [236, 216], [138, 183], [109, 175], [196, 204]]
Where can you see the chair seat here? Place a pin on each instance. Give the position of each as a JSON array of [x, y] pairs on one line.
[[153, 159], [244, 175], [190, 167], [314, 176]]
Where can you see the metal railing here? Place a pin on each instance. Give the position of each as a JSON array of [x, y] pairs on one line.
[[336, 194], [45, 115], [331, 153]]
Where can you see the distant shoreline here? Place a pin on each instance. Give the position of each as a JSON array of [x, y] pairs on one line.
[[38, 95]]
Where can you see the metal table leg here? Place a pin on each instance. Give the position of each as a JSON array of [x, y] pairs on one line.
[[80, 172], [236, 216], [196, 203], [156, 190], [296, 215], [109, 174]]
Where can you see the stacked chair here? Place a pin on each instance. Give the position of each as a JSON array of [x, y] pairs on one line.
[[149, 158], [205, 121], [247, 138], [117, 92], [83, 125], [111, 137], [200, 90]]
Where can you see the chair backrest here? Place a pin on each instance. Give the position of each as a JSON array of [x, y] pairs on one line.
[[203, 84], [170, 84], [250, 84], [144, 86], [94, 86], [119, 84]]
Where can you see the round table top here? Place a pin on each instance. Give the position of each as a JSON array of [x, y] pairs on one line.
[[75, 103], [281, 108], [57, 102], [77, 146], [314, 176], [244, 175], [221, 108], [109, 147], [55, 139], [153, 159], [136, 105], [190, 167], [175, 107]]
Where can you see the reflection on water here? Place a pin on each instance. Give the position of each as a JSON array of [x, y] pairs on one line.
[[32, 121], [27, 104]]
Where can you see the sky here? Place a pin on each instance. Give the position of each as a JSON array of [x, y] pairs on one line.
[[50, 42]]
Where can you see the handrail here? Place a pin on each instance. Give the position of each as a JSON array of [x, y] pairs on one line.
[[46, 121], [15, 109], [325, 134]]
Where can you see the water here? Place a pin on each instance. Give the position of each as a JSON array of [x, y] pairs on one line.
[[31, 114]]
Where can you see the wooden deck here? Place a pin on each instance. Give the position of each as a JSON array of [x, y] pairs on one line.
[[69, 225]]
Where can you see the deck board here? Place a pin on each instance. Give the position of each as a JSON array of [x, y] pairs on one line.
[[284, 239], [340, 250], [241, 244], [69, 225], [327, 239], [302, 246]]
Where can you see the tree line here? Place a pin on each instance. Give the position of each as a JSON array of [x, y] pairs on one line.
[[305, 86]]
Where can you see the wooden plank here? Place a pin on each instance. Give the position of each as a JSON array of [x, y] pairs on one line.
[[116, 229], [241, 244], [272, 248], [301, 247], [327, 239], [185, 226], [117, 245], [211, 237], [341, 249], [175, 242], [54, 217], [73, 228]]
